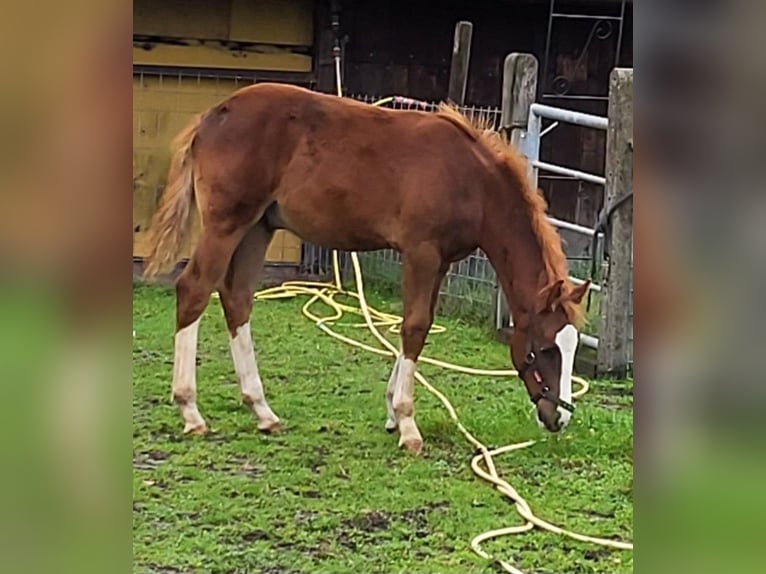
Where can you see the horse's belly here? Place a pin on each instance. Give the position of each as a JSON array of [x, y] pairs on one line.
[[336, 229]]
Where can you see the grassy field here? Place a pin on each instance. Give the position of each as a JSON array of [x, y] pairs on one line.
[[333, 493]]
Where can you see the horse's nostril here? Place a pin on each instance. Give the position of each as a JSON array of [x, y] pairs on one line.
[[557, 425]]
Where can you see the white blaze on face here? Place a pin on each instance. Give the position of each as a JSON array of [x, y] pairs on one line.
[[566, 341]]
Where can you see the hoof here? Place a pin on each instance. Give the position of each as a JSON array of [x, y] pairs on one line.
[[391, 426], [270, 427], [413, 445], [199, 429]]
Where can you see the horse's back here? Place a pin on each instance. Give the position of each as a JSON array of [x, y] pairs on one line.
[[344, 173]]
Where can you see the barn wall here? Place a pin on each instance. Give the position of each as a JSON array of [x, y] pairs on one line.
[[404, 47], [277, 22], [390, 46], [184, 63]]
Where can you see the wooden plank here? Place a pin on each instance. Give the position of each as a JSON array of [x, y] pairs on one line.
[[520, 73], [148, 125], [285, 247], [279, 22], [145, 100], [182, 18], [162, 107], [218, 57], [613, 351], [399, 79], [150, 167], [519, 91], [461, 56], [323, 42]]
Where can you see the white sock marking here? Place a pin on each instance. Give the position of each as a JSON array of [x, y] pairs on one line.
[[185, 375], [405, 385], [403, 403], [250, 384], [566, 340]]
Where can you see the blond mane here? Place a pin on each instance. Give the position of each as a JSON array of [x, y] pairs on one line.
[[554, 260]]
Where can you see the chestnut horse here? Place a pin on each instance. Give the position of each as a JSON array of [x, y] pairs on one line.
[[355, 177]]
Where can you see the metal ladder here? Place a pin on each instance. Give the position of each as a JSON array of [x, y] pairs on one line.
[[603, 28]]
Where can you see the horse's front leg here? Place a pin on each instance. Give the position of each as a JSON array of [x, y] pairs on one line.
[[423, 271]]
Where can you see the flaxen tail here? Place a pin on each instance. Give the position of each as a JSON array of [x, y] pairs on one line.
[[171, 223]]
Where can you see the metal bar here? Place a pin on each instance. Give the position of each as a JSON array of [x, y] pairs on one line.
[[588, 341], [584, 16], [572, 226], [249, 75], [530, 141], [585, 340], [577, 281], [546, 60], [558, 177], [461, 55], [552, 96], [551, 127], [569, 116], [619, 35], [589, 177]]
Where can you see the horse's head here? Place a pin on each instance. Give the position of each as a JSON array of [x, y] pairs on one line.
[[543, 349]]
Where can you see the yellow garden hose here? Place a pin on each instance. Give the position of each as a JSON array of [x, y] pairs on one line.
[[375, 320]]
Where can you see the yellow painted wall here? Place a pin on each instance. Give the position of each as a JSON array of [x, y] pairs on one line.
[[207, 56], [285, 22], [162, 105]]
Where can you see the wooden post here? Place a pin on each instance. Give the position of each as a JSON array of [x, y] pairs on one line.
[[614, 343], [461, 55], [519, 92]]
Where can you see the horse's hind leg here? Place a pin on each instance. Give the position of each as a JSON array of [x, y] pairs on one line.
[[422, 275], [393, 381], [193, 288], [236, 293]]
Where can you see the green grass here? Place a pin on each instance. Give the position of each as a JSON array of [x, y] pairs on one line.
[[333, 493]]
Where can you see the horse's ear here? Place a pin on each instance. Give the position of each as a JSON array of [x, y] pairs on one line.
[[579, 292], [554, 295]]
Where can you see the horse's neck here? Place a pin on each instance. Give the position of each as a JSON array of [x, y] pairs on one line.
[[514, 252]]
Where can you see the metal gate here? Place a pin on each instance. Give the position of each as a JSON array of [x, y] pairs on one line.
[[471, 288]]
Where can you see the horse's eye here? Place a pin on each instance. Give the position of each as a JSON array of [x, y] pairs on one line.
[[530, 358]]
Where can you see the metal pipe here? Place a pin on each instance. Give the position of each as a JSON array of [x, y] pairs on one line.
[[583, 175], [588, 341], [577, 281], [619, 35], [574, 97], [585, 17], [585, 340], [546, 61], [530, 143], [549, 128], [569, 116], [572, 226]]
